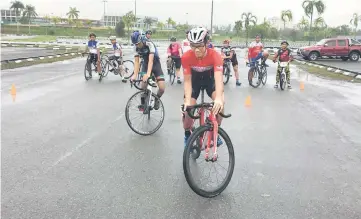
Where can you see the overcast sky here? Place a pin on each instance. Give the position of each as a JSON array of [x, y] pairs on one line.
[[338, 12]]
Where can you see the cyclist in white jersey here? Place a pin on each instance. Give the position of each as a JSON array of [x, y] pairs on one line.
[[185, 44], [118, 55]]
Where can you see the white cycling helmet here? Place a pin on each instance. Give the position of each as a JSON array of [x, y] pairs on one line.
[[198, 35], [112, 37]]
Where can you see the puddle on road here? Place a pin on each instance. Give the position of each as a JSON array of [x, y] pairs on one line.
[[352, 91]]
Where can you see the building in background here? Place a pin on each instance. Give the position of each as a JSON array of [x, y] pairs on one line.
[[111, 20], [8, 16]]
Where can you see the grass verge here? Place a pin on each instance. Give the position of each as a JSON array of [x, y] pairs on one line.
[[323, 73], [25, 63]]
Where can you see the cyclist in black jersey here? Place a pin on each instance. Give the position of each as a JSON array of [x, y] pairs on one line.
[[148, 51], [229, 53]]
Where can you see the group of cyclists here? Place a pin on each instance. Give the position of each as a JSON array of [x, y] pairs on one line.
[[202, 65]]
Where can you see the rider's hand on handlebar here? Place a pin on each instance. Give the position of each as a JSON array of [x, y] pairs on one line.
[[145, 78], [217, 106]]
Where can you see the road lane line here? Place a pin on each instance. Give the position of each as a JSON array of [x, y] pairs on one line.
[[83, 143]]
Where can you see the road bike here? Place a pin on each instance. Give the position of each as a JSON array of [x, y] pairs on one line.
[[172, 70], [226, 70], [88, 67], [146, 107], [259, 72], [282, 74], [125, 70], [204, 138]]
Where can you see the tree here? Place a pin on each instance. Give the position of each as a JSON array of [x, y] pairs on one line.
[[238, 26], [89, 23], [354, 21], [17, 6], [160, 25], [73, 13], [309, 6], [286, 15], [303, 23], [170, 22], [148, 21], [320, 25], [129, 20], [55, 20], [248, 20], [47, 19], [119, 28], [30, 13]]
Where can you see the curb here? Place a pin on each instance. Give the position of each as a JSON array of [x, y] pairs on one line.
[[332, 69], [40, 58]]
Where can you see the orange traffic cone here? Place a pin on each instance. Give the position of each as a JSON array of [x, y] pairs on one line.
[[248, 103], [302, 85], [13, 92]]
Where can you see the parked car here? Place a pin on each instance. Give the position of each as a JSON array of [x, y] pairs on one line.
[[343, 48]]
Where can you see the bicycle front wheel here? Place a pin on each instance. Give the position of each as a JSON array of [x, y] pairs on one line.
[[264, 75], [282, 81], [87, 71], [172, 74], [253, 77], [226, 72], [189, 162]]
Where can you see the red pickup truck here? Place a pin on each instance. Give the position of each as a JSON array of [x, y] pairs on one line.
[[344, 48]]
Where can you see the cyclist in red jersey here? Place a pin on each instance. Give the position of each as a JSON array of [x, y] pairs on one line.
[[255, 52], [202, 67]]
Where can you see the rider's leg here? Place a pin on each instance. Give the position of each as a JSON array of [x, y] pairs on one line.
[[158, 73], [288, 76], [279, 70], [219, 118], [252, 63], [178, 65], [265, 57], [188, 122], [235, 69]]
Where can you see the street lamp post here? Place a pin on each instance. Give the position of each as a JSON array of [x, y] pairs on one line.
[[212, 19], [187, 18]]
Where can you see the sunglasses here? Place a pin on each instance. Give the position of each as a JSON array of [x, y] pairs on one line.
[[197, 45]]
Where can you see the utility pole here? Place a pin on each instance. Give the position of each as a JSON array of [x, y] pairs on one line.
[[105, 1], [135, 12], [212, 20]]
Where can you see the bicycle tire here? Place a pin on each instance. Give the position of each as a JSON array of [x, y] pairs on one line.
[[87, 68], [187, 154], [130, 123], [226, 74], [172, 74], [282, 82], [255, 73], [106, 66], [132, 72], [264, 76]]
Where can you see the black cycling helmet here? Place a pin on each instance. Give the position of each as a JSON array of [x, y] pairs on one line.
[[173, 39], [148, 32], [284, 42]]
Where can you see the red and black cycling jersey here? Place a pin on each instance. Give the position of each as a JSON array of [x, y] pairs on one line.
[[211, 62]]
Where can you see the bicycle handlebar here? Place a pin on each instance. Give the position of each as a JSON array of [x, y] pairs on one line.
[[202, 105], [148, 82]]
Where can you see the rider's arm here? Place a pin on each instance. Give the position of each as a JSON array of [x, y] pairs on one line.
[[136, 66], [187, 77], [152, 51], [218, 75], [231, 54], [180, 50], [169, 51], [98, 51], [275, 56]]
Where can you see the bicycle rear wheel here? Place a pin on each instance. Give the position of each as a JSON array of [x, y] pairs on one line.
[[264, 75], [128, 69], [189, 160]]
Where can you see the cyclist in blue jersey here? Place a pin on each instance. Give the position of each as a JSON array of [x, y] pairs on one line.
[[94, 51], [146, 49]]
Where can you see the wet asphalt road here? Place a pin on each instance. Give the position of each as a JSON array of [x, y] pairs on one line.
[[67, 151]]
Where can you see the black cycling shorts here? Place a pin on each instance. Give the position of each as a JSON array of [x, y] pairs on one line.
[[93, 58], [234, 60], [117, 58], [202, 80], [177, 61], [156, 70]]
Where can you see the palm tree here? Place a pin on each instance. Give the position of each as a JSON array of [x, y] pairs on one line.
[[319, 24], [170, 22], [160, 25], [303, 23], [309, 6], [286, 15], [148, 21], [17, 6], [55, 20], [238, 26], [354, 21], [129, 20], [73, 13], [248, 20], [29, 12]]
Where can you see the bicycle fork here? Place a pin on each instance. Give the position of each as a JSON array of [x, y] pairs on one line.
[[148, 100], [212, 135]]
